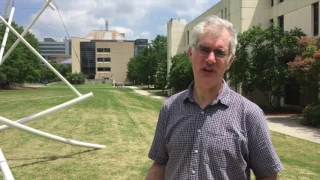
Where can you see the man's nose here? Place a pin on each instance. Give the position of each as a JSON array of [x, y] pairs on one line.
[[211, 58]]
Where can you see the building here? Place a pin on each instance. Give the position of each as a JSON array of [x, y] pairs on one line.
[[244, 14], [54, 51], [104, 54], [139, 44]]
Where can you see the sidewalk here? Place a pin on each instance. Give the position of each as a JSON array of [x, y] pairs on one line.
[[288, 125]]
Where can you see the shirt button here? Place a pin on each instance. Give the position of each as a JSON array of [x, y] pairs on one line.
[[196, 151], [199, 130], [202, 112], [193, 171]]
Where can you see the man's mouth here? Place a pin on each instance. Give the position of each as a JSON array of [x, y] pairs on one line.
[[207, 69]]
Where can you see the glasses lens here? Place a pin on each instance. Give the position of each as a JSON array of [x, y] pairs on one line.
[[205, 51]]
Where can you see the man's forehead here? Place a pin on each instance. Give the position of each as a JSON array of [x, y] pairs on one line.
[[210, 35]]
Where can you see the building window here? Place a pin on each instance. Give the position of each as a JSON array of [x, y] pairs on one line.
[[281, 22], [104, 69], [315, 7], [103, 50], [103, 59], [280, 1], [225, 13], [271, 2], [271, 22]]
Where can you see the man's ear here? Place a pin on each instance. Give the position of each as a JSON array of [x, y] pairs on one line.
[[231, 60], [190, 53]]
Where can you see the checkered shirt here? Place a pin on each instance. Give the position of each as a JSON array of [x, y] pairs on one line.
[[223, 141]]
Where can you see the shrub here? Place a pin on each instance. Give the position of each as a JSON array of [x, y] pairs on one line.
[[311, 115], [76, 78]]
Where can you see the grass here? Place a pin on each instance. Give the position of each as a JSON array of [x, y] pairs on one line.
[[116, 117]]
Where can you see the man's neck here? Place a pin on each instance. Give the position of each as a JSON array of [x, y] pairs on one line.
[[204, 96]]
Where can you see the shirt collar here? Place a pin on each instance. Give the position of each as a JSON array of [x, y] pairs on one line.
[[223, 97]]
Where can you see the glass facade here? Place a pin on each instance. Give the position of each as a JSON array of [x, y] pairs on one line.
[[139, 44], [88, 59]]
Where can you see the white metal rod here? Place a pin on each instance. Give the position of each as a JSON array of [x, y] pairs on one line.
[[52, 6], [25, 32], [47, 135], [5, 168], [5, 37], [39, 56], [49, 111]]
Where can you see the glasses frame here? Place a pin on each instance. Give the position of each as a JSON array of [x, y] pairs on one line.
[[219, 53]]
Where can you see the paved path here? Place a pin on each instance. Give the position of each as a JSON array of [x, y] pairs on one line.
[[288, 125]]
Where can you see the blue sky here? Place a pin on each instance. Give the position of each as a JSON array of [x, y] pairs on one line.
[[136, 18]]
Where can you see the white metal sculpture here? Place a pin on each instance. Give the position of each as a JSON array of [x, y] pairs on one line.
[[18, 124], [5, 168]]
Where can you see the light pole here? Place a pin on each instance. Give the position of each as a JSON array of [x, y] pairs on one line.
[[148, 81]]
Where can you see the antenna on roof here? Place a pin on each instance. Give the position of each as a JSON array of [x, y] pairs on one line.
[[106, 25]]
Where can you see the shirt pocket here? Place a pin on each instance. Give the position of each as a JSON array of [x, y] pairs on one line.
[[223, 151]]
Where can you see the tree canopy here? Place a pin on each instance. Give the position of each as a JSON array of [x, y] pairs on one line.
[[150, 63], [22, 65], [261, 60], [181, 74], [306, 66]]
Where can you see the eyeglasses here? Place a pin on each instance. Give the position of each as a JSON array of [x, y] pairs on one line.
[[205, 51]]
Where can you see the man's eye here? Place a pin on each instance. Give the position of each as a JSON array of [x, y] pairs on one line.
[[204, 49], [220, 53]]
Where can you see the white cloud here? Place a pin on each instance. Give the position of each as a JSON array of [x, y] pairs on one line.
[[83, 16], [128, 32], [163, 29], [145, 35]]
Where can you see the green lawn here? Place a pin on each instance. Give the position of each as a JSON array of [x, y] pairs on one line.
[[116, 117]]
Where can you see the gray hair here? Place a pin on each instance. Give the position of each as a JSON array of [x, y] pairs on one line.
[[215, 24]]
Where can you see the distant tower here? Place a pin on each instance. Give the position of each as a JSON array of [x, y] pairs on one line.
[[106, 25]]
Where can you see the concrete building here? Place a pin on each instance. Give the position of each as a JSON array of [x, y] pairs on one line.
[[55, 51], [104, 55], [244, 14]]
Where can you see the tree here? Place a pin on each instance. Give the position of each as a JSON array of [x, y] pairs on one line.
[[181, 74], [150, 63], [306, 70], [159, 47], [76, 78], [47, 75], [261, 60], [22, 65], [306, 66]]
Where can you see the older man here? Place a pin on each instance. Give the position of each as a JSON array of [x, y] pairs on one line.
[[209, 131]]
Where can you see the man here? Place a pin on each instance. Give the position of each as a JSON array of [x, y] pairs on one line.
[[210, 131]]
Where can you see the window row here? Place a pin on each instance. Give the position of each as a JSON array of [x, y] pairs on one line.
[[103, 50], [315, 19], [279, 1], [104, 59], [104, 69]]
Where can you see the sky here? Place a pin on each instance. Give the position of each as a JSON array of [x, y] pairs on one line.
[[135, 18]]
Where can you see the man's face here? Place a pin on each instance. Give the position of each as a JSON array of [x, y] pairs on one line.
[[210, 58]]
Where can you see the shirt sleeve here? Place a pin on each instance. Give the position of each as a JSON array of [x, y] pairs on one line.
[[263, 159], [158, 151]]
